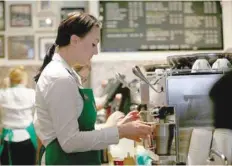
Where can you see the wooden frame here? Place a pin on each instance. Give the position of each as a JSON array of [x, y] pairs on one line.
[[46, 23], [21, 47], [2, 15], [44, 6], [44, 44], [2, 47], [20, 15]]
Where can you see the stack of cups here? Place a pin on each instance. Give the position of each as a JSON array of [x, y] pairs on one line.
[[221, 64]]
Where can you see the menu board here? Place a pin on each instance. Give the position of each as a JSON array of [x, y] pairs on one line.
[[161, 25]]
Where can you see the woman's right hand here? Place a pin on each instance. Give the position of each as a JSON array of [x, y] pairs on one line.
[[134, 130]]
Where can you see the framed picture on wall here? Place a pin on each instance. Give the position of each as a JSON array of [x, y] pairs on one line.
[[20, 15], [45, 6], [21, 47], [2, 15], [45, 23], [44, 44], [66, 11], [2, 47]]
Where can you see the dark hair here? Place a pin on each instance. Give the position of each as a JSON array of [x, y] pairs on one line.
[[220, 95], [76, 23]]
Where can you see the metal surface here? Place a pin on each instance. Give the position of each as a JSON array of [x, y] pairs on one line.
[[161, 140], [219, 154], [121, 78], [189, 94], [139, 74], [164, 134], [144, 93]]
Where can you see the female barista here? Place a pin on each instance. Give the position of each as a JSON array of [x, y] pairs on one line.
[[66, 112], [18, 138]]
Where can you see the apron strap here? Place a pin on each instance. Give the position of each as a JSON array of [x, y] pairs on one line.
[[10, 134], [31, 130]]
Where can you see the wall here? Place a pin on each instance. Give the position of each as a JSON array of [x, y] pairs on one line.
[[105, 64], [33, 30], [32, 66]]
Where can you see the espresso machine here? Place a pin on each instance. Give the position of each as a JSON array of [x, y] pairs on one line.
[[192, 105], [163, 143]]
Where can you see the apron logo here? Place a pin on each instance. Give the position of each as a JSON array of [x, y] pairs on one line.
[[86, 97]]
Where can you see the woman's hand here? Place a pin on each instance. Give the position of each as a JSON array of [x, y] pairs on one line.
[[134, 130], [131, 116], [118, 118], [115, 118], [130, 126]]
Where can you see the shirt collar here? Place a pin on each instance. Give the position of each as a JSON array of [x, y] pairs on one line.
[[57, 57]]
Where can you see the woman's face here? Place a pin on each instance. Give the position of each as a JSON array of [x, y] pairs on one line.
[[87, 46]]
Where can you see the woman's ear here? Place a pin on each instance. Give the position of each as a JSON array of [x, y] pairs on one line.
[[74, 39]]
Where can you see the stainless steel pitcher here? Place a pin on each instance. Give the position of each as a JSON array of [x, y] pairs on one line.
[[161, 140], [164, 134]]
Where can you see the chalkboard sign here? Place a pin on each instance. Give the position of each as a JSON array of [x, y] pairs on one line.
[[161, 25]]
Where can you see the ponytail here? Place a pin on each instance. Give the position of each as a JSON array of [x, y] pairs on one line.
[[47, 60]]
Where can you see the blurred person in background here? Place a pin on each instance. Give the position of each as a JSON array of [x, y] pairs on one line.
[[6, 82], [220, 97], [18, 138]]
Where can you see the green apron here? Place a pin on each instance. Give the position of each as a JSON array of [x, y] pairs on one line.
[[56, 156], [30, 129]]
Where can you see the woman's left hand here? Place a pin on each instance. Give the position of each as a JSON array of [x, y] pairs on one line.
[[131, 116], [119, 118]]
